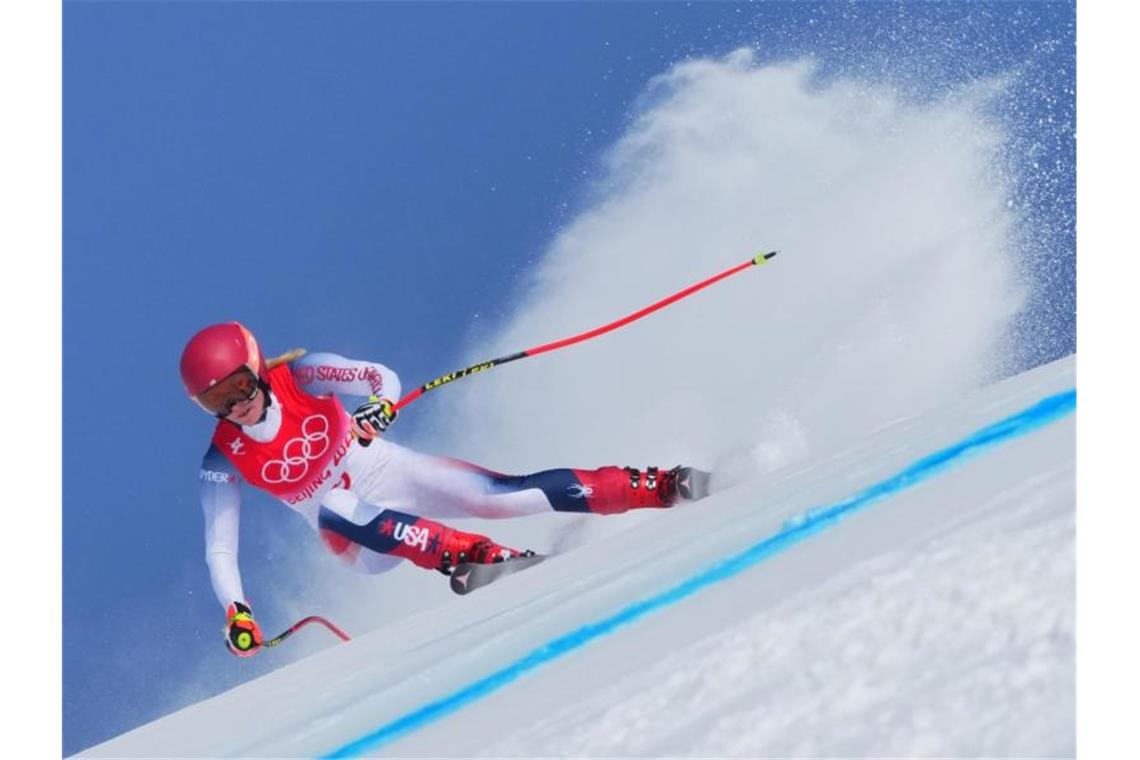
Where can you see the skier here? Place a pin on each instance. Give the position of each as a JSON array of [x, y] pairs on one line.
[[283, 429]]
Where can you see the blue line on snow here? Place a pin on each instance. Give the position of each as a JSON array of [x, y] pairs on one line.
[[808, 524]]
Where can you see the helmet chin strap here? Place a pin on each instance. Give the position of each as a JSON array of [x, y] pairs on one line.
[[264, 387], [268, 397]]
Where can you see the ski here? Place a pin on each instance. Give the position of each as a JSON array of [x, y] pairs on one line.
[[468, 576]]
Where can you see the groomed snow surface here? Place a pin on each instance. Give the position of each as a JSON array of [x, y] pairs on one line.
[[937, 621]]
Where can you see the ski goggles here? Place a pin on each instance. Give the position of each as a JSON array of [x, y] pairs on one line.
[[221, 397]]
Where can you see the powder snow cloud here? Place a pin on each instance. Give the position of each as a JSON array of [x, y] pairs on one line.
[[893, 292]]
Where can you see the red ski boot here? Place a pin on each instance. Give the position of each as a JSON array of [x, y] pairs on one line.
[[459, 547], [612, 490], [653, 488]]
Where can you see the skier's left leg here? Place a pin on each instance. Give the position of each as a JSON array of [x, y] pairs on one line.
[[446, 487]]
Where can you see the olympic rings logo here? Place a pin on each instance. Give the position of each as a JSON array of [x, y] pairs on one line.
[[298, 452]]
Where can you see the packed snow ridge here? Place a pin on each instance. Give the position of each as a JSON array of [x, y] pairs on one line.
[[937, 620]]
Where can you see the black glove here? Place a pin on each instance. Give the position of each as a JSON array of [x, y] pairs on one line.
[[372, 418]]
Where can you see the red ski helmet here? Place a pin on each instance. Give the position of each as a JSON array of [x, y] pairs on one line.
[[215, 353]]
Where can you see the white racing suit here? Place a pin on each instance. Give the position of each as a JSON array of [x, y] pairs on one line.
[[371, 504]]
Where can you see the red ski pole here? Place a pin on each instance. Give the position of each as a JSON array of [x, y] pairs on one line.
[[563, 343], [302, 623]]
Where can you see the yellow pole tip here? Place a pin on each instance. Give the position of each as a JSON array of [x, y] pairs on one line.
[[763, 257]]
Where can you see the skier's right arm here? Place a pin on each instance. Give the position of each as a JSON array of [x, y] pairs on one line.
[[220, 493], [221, 504]]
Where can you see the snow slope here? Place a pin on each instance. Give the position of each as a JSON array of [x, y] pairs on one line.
[[930, 615]]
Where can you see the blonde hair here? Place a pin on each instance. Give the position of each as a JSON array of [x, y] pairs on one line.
[[285, 358]]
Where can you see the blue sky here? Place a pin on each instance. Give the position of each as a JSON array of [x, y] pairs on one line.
[[377, 180]]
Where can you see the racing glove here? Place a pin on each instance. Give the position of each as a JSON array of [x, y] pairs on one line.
[[243, 634], [372, 418]]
